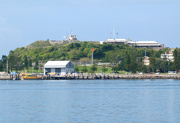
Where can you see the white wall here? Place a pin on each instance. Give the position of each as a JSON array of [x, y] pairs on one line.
[[63, 71]]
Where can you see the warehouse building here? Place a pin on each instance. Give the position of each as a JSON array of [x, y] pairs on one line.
[[146, 44], [58, 67], [116, 41]]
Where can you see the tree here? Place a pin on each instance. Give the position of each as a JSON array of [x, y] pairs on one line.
[[121, 66], [25, 62], [177, 59], [73, 56], [98, 54], [36, 65], [133, 62], [158, 65], [86, 51], [84, 69], [127, 61], [152, 63], [76, 68], [30, 63], [93, 68], [114, 59], [41, 66], [1, 65], [144, 69], [12, 60], [4, 62], [140, 64], [80, 54], [164, 65], [104, 69]]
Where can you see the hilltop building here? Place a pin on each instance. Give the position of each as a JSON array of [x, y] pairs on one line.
[[58, 67], [146, 44], [116, 41], [101, 42], [72, 38]]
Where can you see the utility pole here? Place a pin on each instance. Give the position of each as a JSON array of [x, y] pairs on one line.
[[168, 65], [114, 30], [113, 68], [7, 66], [92, 56]]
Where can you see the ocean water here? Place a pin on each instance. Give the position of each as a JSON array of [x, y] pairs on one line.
[[90, 101]]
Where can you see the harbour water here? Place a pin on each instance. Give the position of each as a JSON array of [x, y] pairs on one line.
[[90, 101]]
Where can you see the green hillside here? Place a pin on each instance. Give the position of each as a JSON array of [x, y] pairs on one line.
[[39, 44], [124, 57]]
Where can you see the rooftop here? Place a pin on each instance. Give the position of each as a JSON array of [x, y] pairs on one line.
[[63, 63], [145, 42], [116, 40]]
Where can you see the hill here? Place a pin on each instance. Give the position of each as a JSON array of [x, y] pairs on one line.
[[42, 51]]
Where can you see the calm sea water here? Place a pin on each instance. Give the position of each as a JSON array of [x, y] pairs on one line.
[[90, 101]]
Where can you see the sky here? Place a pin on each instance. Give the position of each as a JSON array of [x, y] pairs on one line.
[[23, 22]]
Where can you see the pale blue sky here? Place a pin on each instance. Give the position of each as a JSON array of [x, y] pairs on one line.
[[24, 21]]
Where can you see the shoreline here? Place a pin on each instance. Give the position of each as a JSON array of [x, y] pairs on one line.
[[104, 77]]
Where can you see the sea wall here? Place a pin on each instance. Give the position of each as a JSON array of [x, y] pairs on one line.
[[133, 76], [5, 77], [152, 76]]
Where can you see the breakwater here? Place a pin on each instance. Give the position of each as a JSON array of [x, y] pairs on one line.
[[133, 76], [153, 76]]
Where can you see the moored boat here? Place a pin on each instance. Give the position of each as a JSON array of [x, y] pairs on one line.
[[27, 76]]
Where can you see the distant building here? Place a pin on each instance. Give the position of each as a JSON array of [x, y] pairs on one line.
[[58, 67], [101, 42], [72, 38], [146, 61], [168, 56], [116, 41], [146, 44]]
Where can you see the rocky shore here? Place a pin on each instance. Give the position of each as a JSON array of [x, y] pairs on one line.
[[133, 76]]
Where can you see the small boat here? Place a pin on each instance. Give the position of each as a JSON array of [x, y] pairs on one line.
[[27, 76]]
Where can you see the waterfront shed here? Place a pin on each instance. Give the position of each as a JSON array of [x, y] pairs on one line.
[[58, 67]]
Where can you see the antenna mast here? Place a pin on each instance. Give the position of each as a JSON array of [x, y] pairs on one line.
[[114, 30], [72, 31]]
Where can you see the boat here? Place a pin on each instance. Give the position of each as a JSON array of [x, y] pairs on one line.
[[27, 76]]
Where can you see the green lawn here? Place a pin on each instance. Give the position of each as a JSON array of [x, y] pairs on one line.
[[99, 69]]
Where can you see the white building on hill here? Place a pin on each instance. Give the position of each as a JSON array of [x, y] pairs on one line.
[[147, 44], [58, 67], [168, 56], [72, 38], [116, 41]]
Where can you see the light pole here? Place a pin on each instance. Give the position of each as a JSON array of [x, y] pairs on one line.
[[168, 65], [92, 56], [7, 67]]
